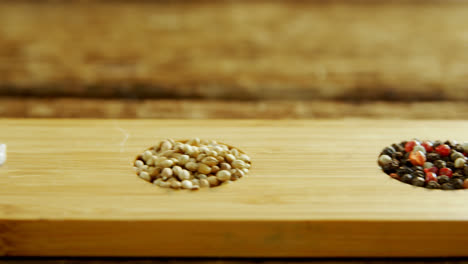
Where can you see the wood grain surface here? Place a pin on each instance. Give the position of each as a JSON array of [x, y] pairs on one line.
[[220, 109], [314, 190], [372, 50]]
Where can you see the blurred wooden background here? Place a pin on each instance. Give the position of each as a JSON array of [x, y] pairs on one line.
[[234, 59]]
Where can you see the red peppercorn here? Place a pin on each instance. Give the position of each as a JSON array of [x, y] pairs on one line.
[[394, 176], [446, 171], [465, 184], [430, 176], [417, 158], [443, 150], [432, 169], [428, 146], [410, 145]]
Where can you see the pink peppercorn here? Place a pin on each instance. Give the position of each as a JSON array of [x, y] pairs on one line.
[[443, 150], [428, 146], [410, 145], [430, 176], [432, 169], [417, 158], [446, 171]]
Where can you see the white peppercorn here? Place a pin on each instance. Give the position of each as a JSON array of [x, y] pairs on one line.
[[459, 163], [223, 175], [186, 184], [384, 160], [428, 165]]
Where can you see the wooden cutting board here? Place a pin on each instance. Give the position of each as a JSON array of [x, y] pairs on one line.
[[315, 190]]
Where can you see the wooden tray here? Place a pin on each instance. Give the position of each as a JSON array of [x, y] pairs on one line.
[[68, 189]]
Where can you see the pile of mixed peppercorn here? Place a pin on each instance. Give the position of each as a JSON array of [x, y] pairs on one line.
[[434, 165]]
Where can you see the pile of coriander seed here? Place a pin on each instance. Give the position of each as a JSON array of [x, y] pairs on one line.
[[429, 164], [191, 164]]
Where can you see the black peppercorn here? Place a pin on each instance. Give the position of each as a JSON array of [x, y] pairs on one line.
[[457, 175], [397, 155], [459, 148], [436, 144], [398, 147], [439, 164], [433, 185], [418, 174], [431, 157], [455, 155], [457, 183], [443, 179], [450, 165], [418, 181], [446, 159], [465, 169], [447, 186], [407, 178], [388, 151], [418, 168]]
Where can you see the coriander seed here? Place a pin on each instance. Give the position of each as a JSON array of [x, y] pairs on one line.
[[223, 175]]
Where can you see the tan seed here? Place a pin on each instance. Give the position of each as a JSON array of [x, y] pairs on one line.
[[184, 175], [186, 184], [191, 166], [230, 158], [204, 183], [183, 159], [139, 163], [210, 161], [166, 163], [225, 166], [244, 158], [213, 180], [223, 175], [238, 164], [176, 184], [166, 173], [214, 169], [204, 169]]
